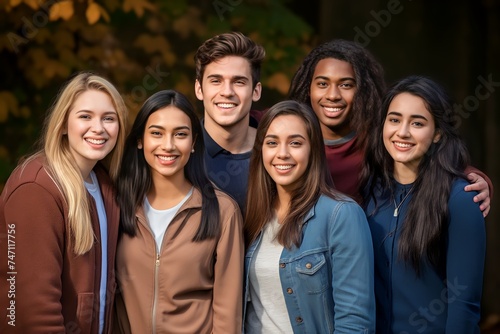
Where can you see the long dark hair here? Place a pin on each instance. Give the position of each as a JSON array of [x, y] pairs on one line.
[[135, 179], [424, 230], [262, 188], [369, 77]]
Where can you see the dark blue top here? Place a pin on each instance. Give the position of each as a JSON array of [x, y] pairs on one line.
[[441, 300], [228, 171]]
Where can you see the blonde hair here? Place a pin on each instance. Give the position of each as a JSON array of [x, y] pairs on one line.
[[61, 163]]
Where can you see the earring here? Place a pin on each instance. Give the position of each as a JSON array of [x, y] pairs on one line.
[[139, 146], [192, 151]]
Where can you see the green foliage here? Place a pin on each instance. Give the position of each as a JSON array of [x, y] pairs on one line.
[[141, 46]]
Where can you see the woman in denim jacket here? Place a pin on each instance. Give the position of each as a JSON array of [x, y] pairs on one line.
[[309, 264]]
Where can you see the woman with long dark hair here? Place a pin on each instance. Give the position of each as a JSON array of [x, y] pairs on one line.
[[180, 256], [428, 234], [309, 264]]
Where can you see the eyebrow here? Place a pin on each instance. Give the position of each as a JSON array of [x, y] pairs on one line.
[[289, 137], [327, 78], [183, 127], [92, 112], [395, 113], [235, 77]]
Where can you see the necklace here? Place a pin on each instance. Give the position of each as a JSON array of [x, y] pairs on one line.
[[396, 210]]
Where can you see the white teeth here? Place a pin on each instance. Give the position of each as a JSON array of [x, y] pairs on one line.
[[226, 105], [169, 158], [283, 167], [330, 109], [96, 141], [402, 145]]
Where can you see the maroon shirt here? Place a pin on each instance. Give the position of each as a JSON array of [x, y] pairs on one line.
[[345, 162]]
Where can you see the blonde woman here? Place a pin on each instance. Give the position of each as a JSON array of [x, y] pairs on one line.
[[59, 219]]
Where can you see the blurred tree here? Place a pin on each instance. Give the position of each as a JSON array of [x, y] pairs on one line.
[[140, 45]]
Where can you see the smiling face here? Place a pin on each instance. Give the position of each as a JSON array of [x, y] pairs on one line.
[[92, 128], [167, 143], [285, 151], [332, 90], [226, 91], [409, 131]]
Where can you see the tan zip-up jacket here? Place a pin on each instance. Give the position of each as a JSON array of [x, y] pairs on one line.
[[188, 287]]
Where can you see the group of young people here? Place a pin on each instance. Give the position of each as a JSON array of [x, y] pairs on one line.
[[346, 208]]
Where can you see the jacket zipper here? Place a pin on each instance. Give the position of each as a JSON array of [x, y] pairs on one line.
[[157, 265]]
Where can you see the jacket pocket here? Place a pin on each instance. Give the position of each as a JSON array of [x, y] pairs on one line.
[[85, 311], [313, 273]]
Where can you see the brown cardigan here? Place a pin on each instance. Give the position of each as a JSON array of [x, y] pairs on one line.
[[55, 291], [192, 287]]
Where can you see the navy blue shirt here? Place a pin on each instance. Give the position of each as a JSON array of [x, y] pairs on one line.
[[228, 171], [444, 300]]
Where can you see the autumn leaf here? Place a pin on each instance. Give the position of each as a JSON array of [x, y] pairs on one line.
[[34, 4], [15, 3], [279, 81], [138, 6], [63, 10], [93, 13]]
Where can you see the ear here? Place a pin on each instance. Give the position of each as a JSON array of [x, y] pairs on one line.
[[198, 90], [257, 92], [437, 137], [139, 144]]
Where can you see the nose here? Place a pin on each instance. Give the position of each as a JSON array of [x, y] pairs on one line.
[[97, 126], [333, 93], [227, 89], [404, 130], [283, 152], [168, 144]]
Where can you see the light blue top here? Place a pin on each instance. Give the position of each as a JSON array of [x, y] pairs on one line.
[[95, 191], [441, 300], [327, 282]]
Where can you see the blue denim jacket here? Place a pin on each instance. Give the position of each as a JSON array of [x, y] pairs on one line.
[[328, 281]]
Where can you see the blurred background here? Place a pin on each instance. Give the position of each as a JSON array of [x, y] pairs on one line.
[[143, 46]]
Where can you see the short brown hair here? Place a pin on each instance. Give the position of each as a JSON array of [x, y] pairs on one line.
[[229, 44]]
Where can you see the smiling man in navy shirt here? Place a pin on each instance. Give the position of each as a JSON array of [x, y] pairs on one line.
[[228, 81]]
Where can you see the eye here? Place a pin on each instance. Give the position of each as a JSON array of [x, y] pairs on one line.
[[271, 143], [322, 84], [109, 119], [214, 81], [295, 143], [240, 82], [155, 133], [182, 134], [84, 116], [392, 120], [347, 85], [418, 124]]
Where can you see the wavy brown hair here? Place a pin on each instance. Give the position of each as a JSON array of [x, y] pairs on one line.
[[262, 191], [229, 44]]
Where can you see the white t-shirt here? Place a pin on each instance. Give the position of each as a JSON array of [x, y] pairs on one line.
[[267, 312], [160, 219]]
